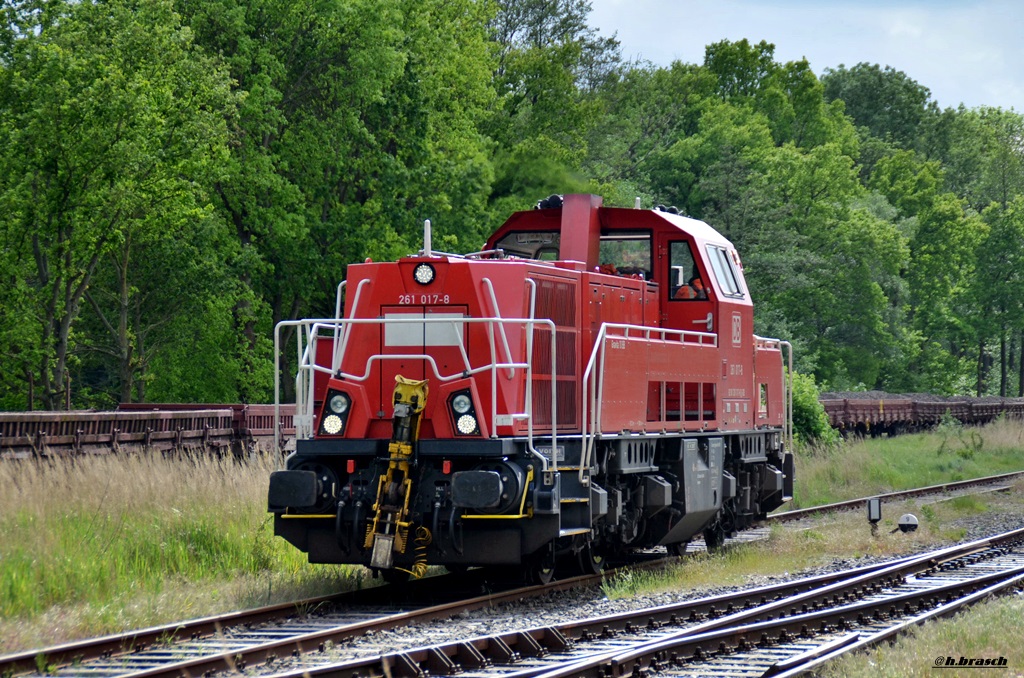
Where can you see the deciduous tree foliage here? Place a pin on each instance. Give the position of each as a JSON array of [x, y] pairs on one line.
[[550, 71], [997, 289], [177, 176], [942, 263], [988, 155], [360, 120], [890, 104], [109, 118]]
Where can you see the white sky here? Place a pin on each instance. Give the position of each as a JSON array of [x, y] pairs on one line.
[[966, 51]]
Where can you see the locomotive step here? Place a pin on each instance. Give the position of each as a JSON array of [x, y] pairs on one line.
[[568, 532]]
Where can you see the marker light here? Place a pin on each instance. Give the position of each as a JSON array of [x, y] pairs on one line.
[[332, 424], [424, 274], [466, 424]]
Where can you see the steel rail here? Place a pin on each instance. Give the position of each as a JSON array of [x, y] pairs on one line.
[[797, 514], [731, 625], [730, 639], [133, 641], [802, 664]]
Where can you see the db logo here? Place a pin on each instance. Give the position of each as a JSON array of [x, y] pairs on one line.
[[737, 329]]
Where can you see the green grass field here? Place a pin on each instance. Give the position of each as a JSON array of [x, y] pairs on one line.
[[101, 544], [877, 465]]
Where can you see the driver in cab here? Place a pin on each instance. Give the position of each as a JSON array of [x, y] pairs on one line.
[[693, 289]]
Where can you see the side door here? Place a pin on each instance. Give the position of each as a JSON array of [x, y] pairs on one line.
[[687, 300]]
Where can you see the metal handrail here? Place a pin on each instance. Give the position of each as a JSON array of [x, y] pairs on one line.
[[308, 334], [339, 347], [301, 396], [528, 401], [787, 385], [497, 313], [593, 388]]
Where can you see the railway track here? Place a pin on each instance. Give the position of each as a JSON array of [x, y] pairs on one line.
[[776, 630], [987, 483], [265, 635], [788, 636], [227, 641], [314, 627]]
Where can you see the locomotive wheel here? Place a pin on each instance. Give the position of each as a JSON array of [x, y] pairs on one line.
[[591, 560], [677, 549], [541, 568], [395, 576], [714, 536]]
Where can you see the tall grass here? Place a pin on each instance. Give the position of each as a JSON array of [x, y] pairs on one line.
[[860, 468], [113, 540]]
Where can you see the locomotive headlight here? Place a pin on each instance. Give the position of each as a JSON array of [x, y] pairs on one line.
[[461, 403], [339, 404], [424, 274], [466, 424], [332, 424]]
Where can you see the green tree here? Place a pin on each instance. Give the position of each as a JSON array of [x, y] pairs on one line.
[[551, 68], [794, 102], [742, 70], [144, 301], [986, 159], [361, 118], [810, 422], [644, 112], [997, 288], [834, 285], [706, 172], [942, 262], [110, 122], [909, 184], [907, 105]]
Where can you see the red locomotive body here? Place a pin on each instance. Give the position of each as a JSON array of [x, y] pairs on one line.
[[589, 384]]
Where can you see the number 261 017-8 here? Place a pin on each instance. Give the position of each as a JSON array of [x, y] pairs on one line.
[[407, 299]]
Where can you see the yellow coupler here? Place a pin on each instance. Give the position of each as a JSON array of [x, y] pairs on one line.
[[389, 531]]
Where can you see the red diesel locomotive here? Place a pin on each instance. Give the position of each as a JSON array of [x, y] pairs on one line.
[[588, 385]]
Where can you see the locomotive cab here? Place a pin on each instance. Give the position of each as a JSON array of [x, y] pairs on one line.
[[589, 384]]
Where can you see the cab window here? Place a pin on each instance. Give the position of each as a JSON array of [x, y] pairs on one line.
[[684, 281], [626, 254], [531, 245], [725, 271]]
